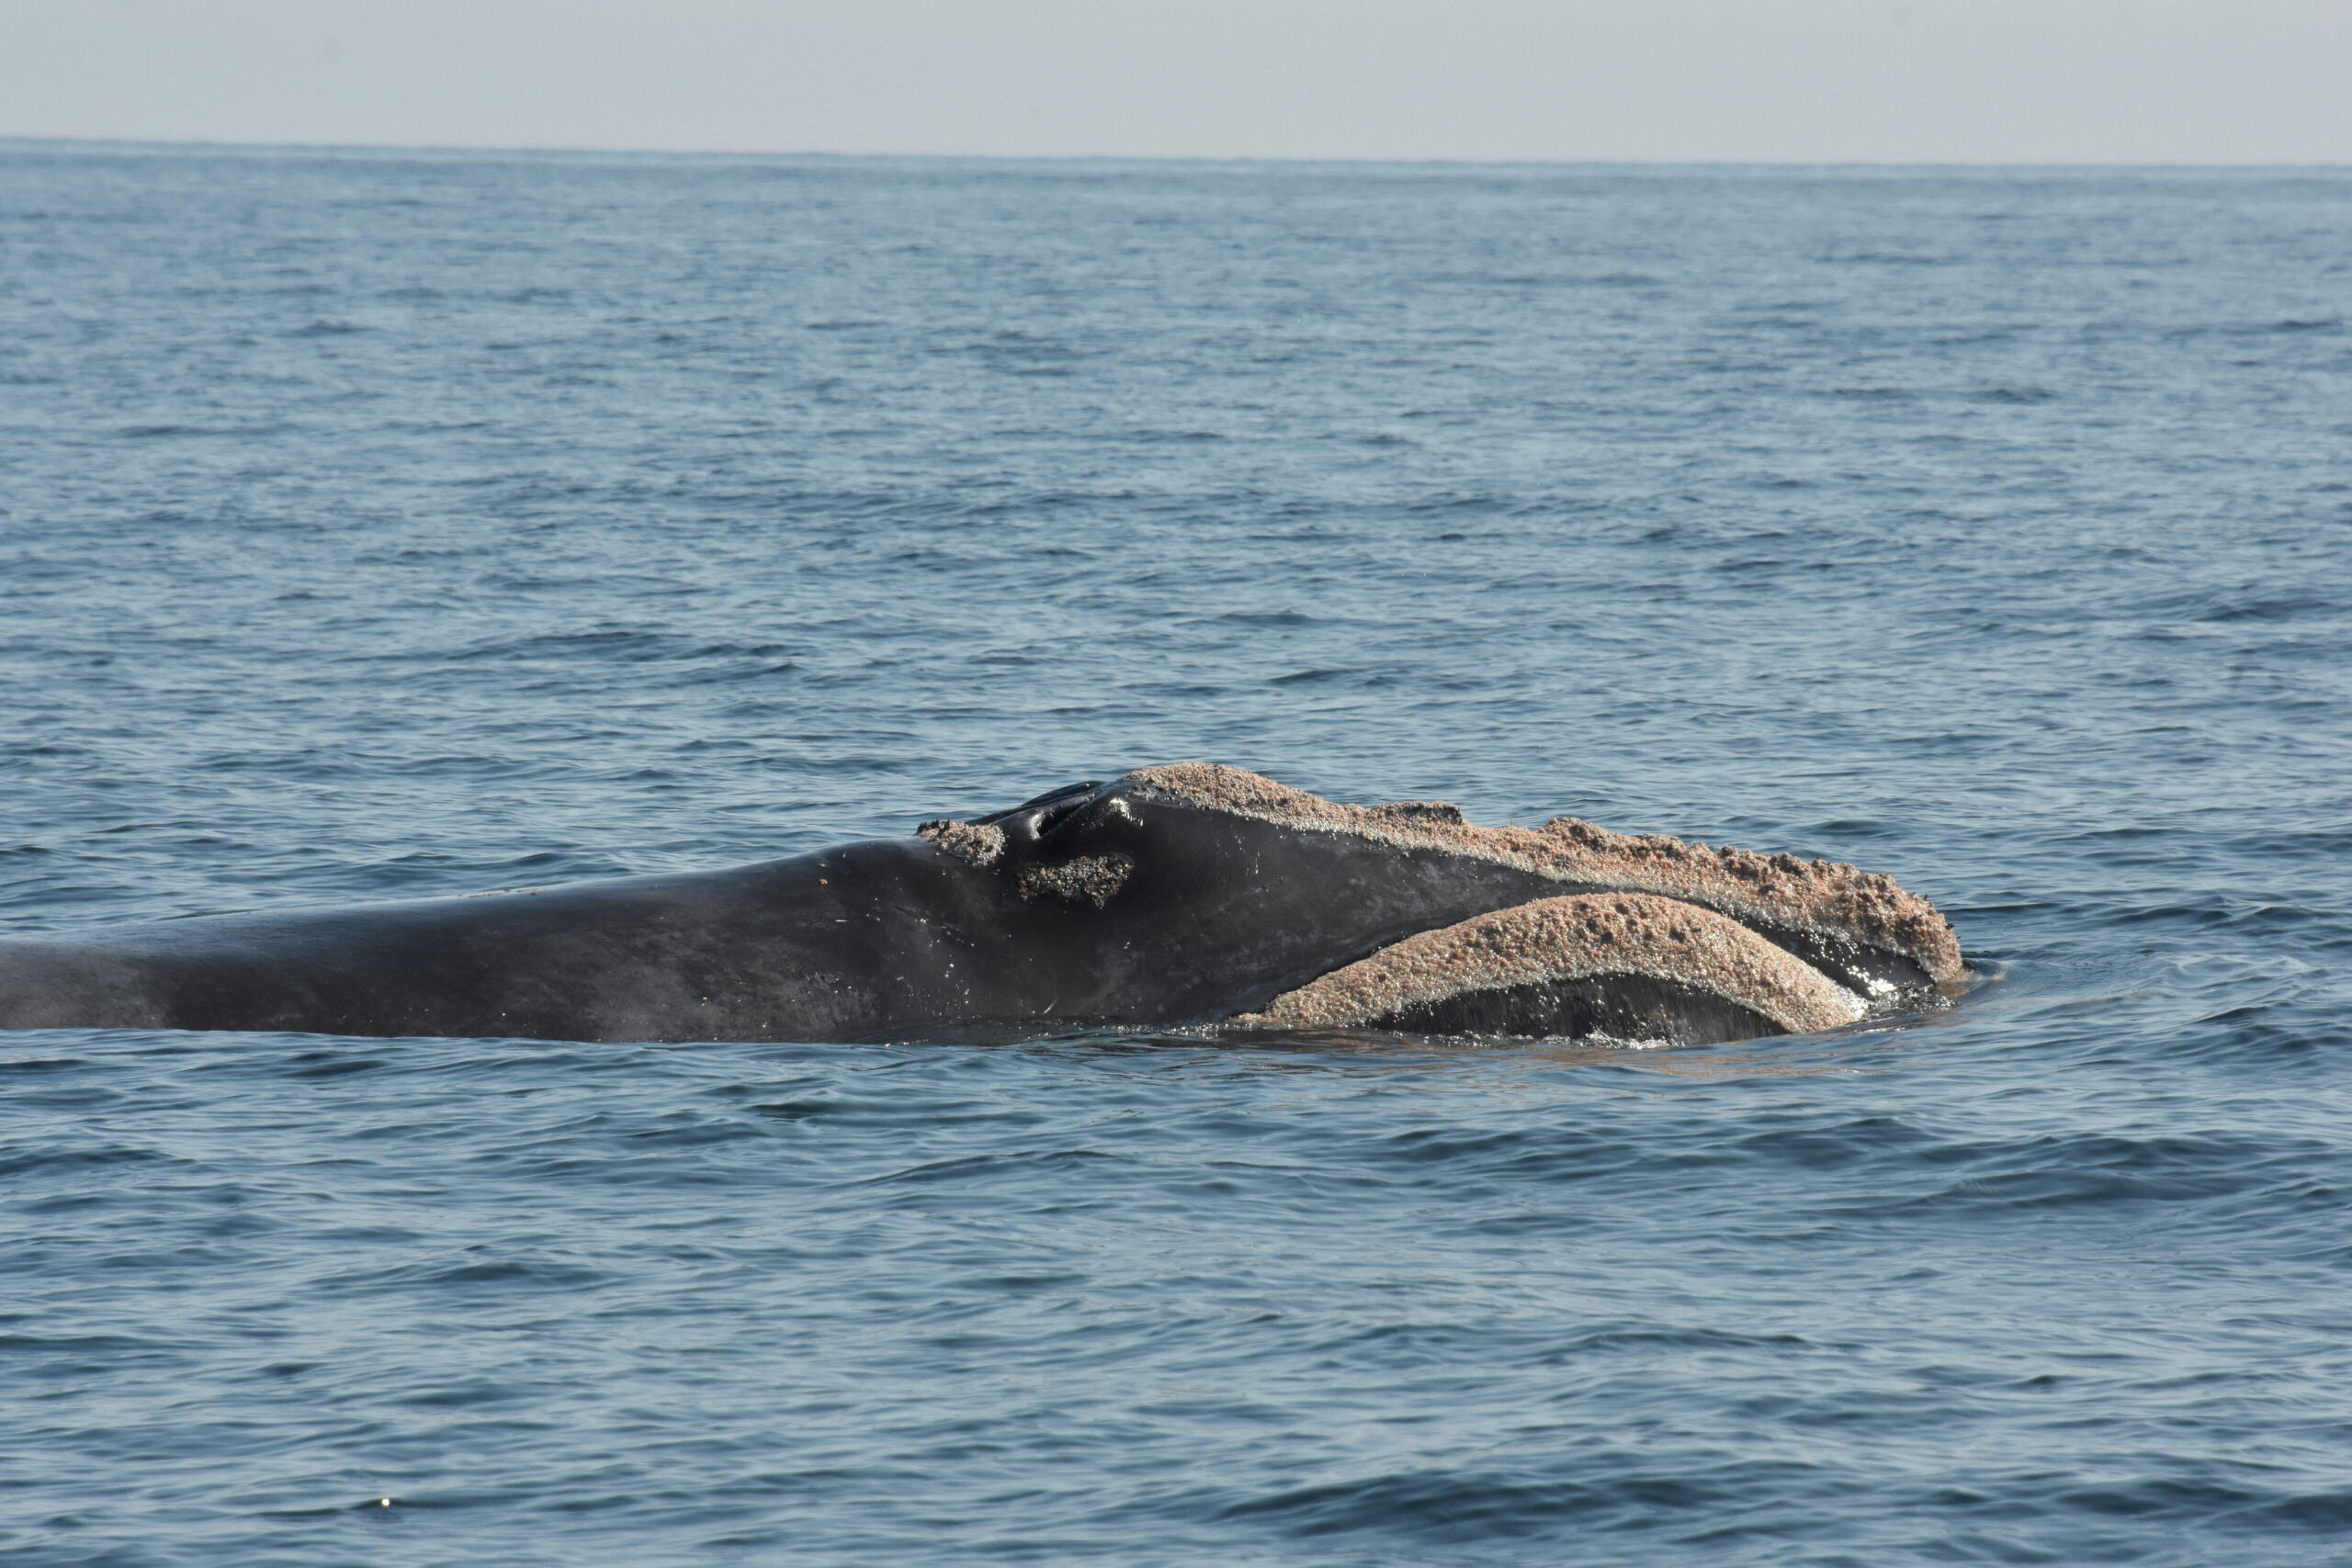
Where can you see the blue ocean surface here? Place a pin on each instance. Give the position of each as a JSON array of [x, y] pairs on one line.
[[378, 525]]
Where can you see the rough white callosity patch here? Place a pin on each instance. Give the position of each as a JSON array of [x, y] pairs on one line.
[[1089, 879], [979, 842], [1577, 937]]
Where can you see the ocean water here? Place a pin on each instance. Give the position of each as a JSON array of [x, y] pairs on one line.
[[378, 526]]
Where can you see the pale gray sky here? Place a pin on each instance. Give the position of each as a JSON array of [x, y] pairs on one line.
[[1974, 80]]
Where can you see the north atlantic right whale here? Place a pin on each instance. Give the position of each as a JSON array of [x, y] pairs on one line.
[[1185, 897]]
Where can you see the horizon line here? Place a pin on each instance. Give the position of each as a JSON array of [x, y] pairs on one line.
[[194, 144]]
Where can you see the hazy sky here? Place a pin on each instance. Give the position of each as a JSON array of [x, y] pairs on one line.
[[1994, 81]]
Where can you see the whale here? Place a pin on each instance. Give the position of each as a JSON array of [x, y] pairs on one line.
[[1189, 897]]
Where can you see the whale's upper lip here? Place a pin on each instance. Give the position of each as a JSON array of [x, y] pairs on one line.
[[1836, 899]]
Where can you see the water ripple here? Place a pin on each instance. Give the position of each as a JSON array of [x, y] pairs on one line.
[[378, 525]]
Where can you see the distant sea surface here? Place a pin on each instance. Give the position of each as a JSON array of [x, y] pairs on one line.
[[378, 526]]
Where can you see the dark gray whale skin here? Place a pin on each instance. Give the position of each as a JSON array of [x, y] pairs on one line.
[[885, 939]]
